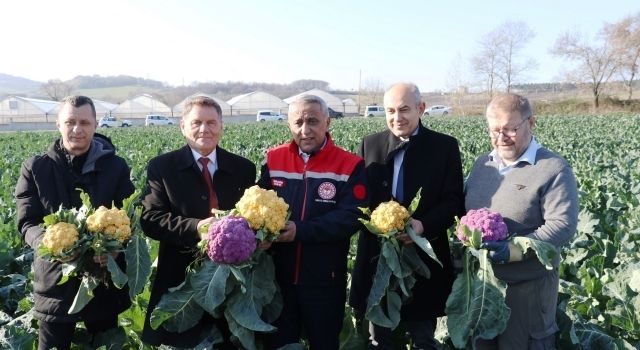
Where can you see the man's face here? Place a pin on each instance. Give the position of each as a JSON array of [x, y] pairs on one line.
[[402, 110], [308, 126], [202, 128], [77, 126], [513, 133]]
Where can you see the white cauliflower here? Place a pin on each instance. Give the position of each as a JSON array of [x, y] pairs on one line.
[[263, 209], [114, 223], [60, 236], [389, 216]]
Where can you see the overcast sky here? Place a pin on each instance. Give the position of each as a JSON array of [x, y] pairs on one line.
[[345, 43]]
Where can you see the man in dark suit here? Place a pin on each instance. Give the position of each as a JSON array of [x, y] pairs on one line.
[[182, 188], [400, 161]]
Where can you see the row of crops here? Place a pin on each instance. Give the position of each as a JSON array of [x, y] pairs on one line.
[[599, 304]]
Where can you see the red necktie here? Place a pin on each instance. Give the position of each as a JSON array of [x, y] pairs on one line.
[[213, 198]]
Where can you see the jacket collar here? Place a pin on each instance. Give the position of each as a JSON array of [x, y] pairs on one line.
[[99, 148], [394, 142]]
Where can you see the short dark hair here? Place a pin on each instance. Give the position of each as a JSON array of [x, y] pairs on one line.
[[200, 101], [79, 101]]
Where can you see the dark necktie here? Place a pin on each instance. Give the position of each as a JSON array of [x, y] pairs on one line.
[[213, 198], [400, 181]]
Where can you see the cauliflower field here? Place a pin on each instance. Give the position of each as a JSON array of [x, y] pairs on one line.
[[599, 304]]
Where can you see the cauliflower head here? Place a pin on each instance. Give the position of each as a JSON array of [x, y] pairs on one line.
[[230, 241], [263, 209], [389, 216], [490, 223], [114, 223], [60, 236]]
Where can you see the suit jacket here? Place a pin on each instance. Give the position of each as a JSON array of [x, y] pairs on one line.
[[174, 201], [431, 162]]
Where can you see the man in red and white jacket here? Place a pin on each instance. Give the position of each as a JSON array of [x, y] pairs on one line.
[[324, 185]]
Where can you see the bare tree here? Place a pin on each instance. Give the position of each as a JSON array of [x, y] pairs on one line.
[[596, 61], [625, 38], [485, 63], [457, 84], [57, 89], [513, 37], [499, 61], [372, 91]]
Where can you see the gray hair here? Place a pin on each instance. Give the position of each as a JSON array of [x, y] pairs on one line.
[[79, 101], [310, 99], [200, 101], [510, 103], [413, 88]]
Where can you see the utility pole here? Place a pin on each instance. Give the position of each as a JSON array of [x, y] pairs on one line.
[[359, 88]]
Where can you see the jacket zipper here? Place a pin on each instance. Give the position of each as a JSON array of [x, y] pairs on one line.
[[296, 274]]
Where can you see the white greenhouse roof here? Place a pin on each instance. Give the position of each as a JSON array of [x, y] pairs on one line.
[[45, 106]]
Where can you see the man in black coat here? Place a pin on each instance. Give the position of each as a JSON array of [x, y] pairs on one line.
[[182, 188], [400, 161], [79, 159]]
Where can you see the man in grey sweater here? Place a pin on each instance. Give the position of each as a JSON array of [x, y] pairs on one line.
[[536, 193]]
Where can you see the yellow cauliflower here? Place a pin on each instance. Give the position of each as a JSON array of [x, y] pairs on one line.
[[59, 237], [114, 223], [389, 216], [263, 209]]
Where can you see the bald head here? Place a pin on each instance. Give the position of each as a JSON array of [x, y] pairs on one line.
[[404, 89]]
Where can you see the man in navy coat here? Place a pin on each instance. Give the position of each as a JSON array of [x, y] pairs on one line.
[[399, 161]]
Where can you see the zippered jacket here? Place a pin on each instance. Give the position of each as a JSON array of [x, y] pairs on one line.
[[323, 196], [47, 182]]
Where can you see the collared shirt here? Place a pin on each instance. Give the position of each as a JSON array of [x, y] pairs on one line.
[[306, 156], [213, 162], [528, 156], [397, 162]]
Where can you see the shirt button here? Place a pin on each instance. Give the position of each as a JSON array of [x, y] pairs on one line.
[[203, 197]]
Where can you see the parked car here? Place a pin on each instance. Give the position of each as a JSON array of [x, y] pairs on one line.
[[266, 115], [334, 114], [374, 111], [112, 122], [155, 119], [437, 110]]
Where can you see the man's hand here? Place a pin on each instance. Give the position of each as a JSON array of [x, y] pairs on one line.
[[288, 233], [498, 251], [207, 221], [103, 259], [417, 227], [264, 245]]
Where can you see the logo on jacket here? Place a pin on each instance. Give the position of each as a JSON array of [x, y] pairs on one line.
[[277, 183], [327, 190]]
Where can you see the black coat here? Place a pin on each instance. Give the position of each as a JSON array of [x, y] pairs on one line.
[[47, 181], [174, 201], [431, 162]]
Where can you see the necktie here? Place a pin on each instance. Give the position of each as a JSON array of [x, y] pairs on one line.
[[213, 198], [400, 180], [400, 183]]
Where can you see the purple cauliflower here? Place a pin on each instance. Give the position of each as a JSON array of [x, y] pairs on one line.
[[231, 241], [490, 223]]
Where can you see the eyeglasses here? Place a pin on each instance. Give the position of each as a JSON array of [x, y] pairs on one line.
[[508, 132]]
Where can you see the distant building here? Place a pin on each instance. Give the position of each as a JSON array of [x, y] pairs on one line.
[[103, 108], [140, 106], [345, 106], [226, 108], [23, 109], [252, 102]]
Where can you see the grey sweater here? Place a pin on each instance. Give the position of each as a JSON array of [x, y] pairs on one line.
[[539, 201]]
